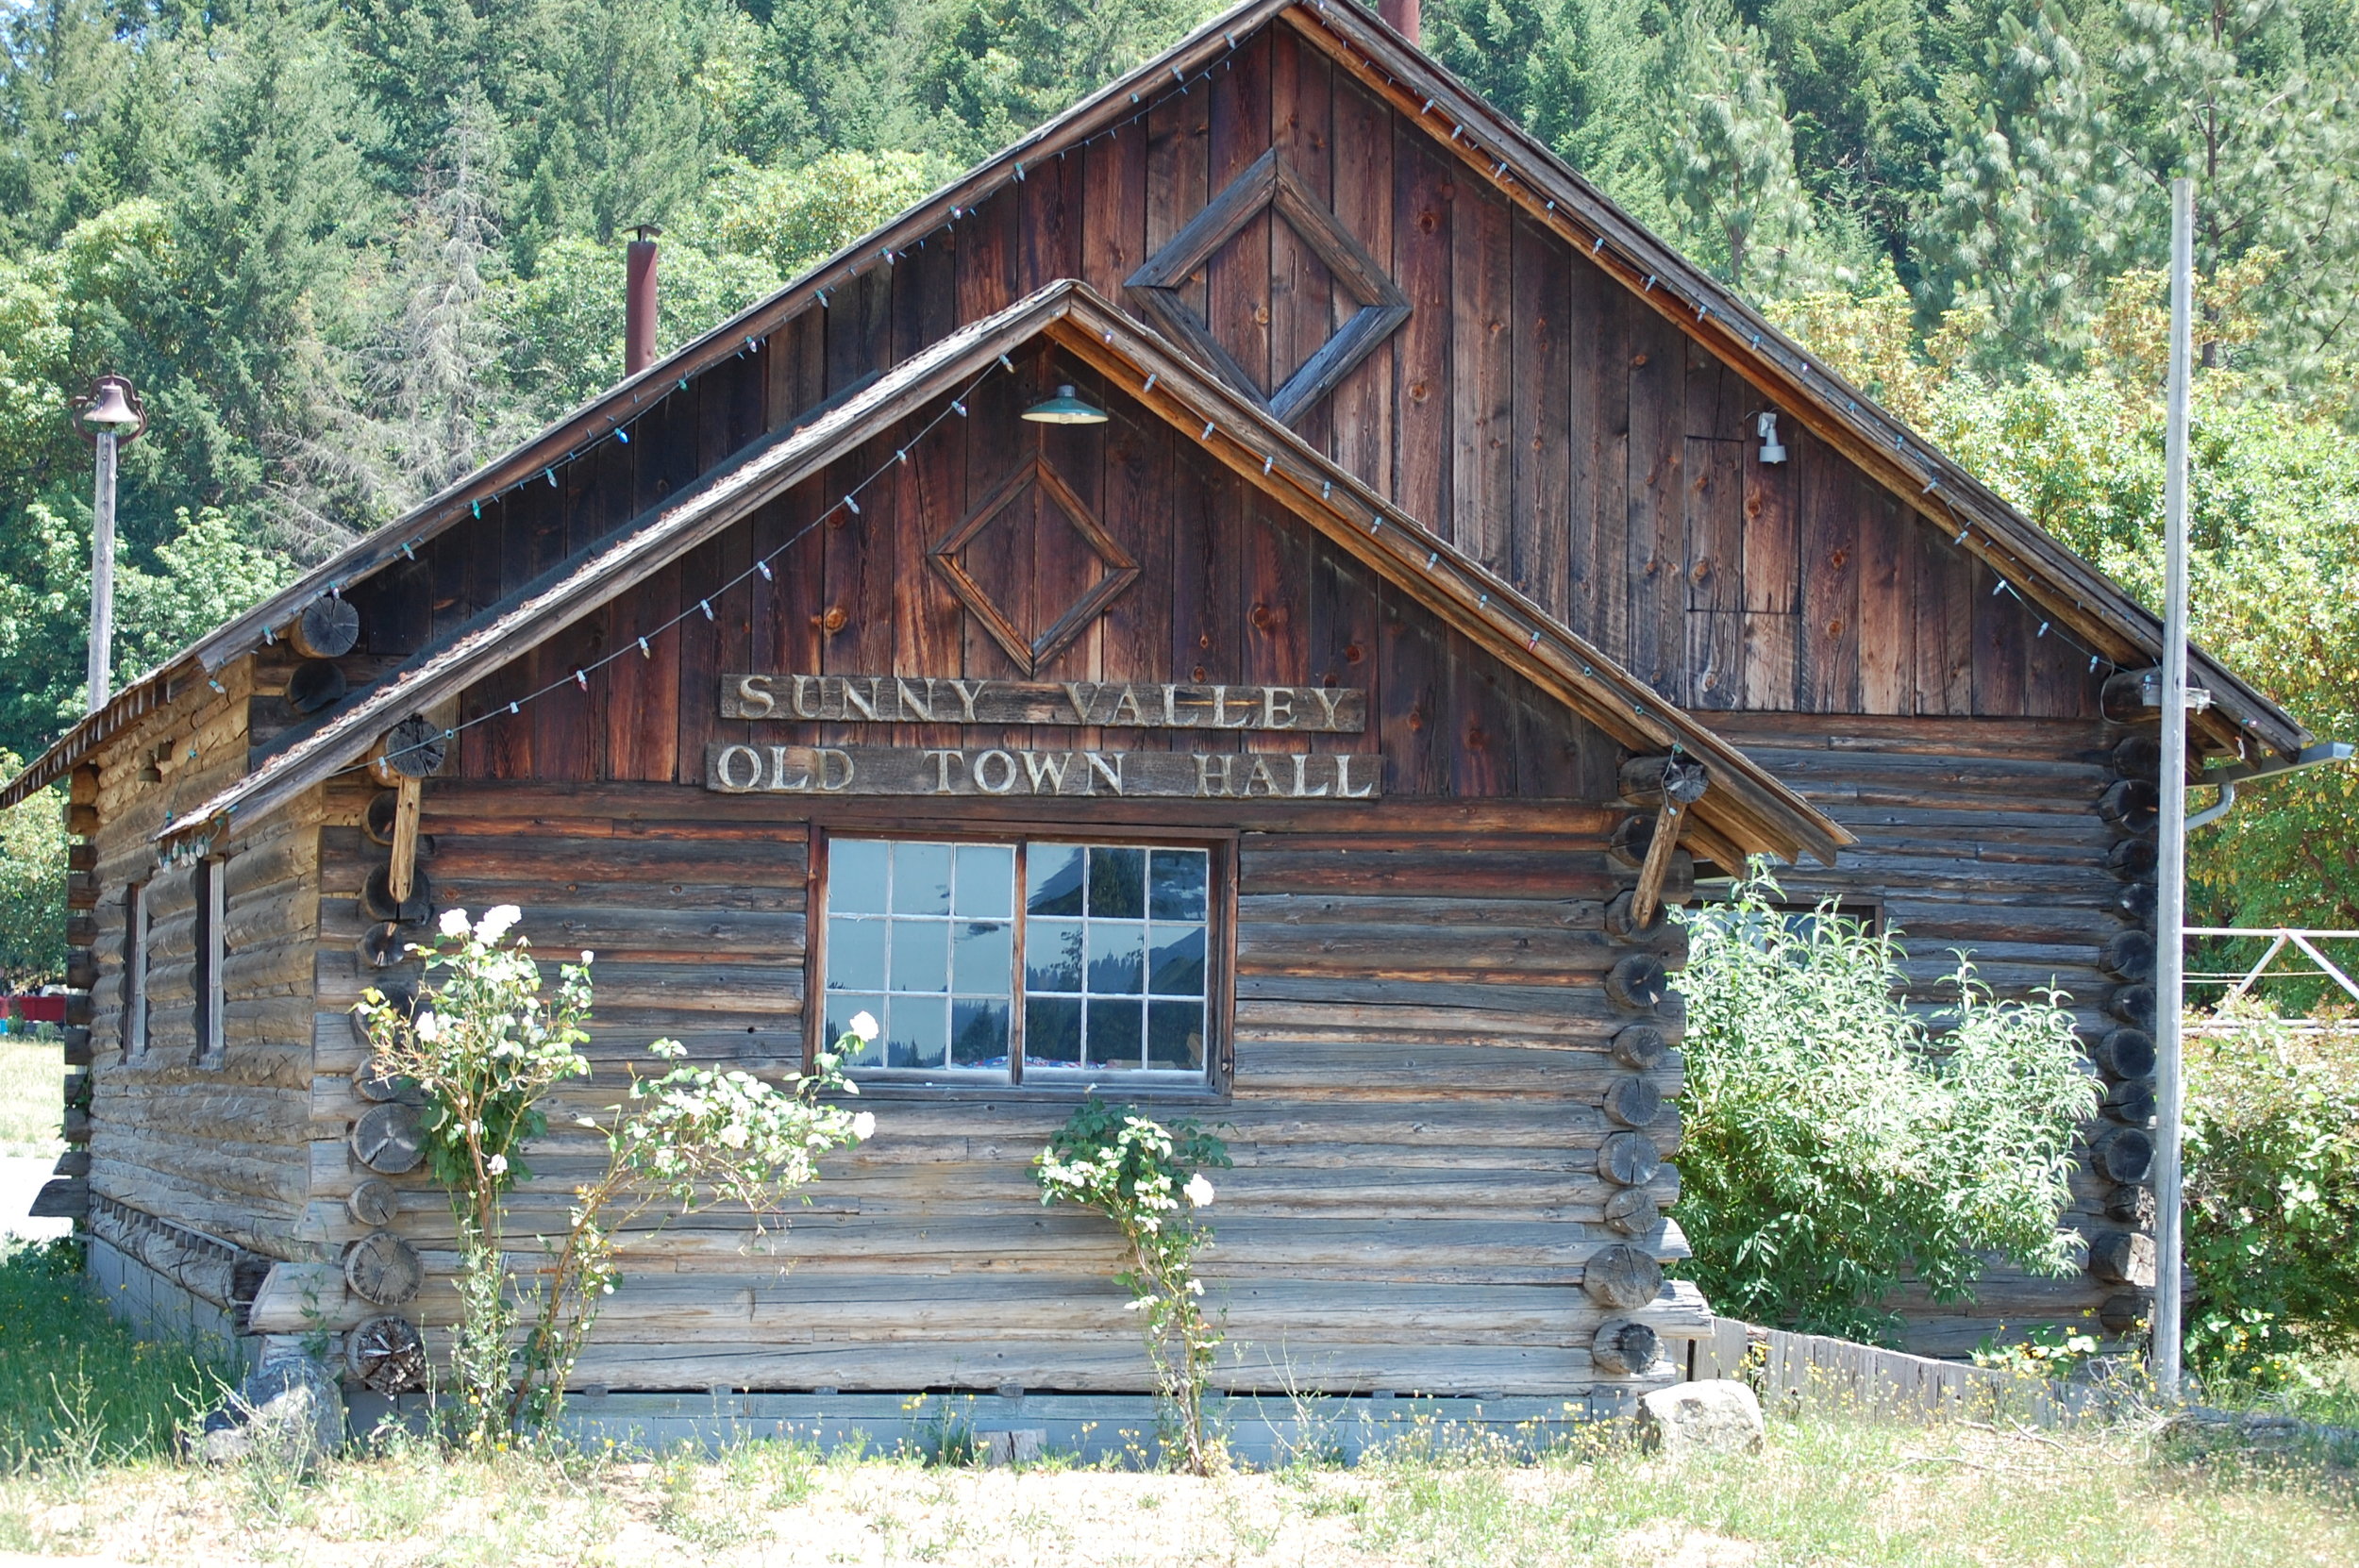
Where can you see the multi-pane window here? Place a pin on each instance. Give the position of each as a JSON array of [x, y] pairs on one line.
[[1011, 961]]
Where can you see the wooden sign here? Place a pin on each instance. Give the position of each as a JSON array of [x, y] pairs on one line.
[[738, 769], [1112, 704]]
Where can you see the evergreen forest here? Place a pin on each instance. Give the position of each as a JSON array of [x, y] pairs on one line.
[[347, 252]]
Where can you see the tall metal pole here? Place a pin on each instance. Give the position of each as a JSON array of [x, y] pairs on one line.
[[2171, 907], [102, 575]]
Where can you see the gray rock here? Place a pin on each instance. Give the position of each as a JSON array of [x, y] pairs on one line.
[[1690, 1419], [2263, 1429], [287, 1414]]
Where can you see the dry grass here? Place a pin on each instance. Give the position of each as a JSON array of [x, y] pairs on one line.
[[1822, 1493], [32, 1089]]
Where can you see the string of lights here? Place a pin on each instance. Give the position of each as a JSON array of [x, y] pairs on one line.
[[1602, 247], [1919, 461], [189, 845], [763, 566]]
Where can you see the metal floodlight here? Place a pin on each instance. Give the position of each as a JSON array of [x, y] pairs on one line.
[[1066, 407]]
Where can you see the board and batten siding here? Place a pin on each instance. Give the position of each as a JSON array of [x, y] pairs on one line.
[[1419, 1053], [1531, 409]]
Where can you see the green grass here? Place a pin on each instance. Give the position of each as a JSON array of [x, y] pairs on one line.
[[32, 1093], [1822, 1493], [87, 1465], [77, 1389]]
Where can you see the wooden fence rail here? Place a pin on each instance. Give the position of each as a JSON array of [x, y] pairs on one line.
[[1808, 1373]]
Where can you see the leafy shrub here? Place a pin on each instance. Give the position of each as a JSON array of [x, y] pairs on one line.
[[1837, 1141], [485, 1048], [1149, 1179], [2272, 1202]]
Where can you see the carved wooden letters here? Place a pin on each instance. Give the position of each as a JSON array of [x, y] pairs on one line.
[[738, 769], [1110, 703], [761, 768]]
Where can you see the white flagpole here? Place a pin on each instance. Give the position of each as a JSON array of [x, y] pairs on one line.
[[2170, 908]]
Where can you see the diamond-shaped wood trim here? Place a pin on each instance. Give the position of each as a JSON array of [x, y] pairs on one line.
[[1271, 183], [1121, 571]]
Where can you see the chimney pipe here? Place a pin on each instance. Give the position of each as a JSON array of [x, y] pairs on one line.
[[1401, 15], [639, 301]]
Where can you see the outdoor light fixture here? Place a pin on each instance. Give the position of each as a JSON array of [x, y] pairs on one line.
[[1765, 426], [1066, 407]]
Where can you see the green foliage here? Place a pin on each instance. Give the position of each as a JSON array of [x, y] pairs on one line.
[[32, 887], [1148, 1180], [485, 1048], [1726, 155], [77, 1389], [1836, 1142], [561, 325], [792, 218], [2272, 1193]]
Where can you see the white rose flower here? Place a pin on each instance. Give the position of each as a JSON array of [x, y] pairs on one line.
[[454, 922], [497, 1164], [496, 923], [733, 1135], [863, 1024], [586, 956], [865, 1125], [429, 1027], [1199, 1190]]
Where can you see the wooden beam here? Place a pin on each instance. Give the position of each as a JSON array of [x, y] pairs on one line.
[[405, 801], [1682, 786]]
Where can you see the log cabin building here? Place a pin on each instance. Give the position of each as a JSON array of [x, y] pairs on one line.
[[1441, 574]]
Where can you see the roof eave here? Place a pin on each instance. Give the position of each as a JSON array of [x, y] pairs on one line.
[[1750, 808]]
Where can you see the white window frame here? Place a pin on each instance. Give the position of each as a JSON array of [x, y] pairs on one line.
[[1018, 1070], [212, 955], [135, 935]]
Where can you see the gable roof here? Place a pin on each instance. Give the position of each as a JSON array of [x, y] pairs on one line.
[[1747, 809], [2065, 587]]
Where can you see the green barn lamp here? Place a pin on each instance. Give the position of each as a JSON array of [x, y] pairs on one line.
[[1066, 407]]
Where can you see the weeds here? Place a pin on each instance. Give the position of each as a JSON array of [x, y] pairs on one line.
[[77, 1390]]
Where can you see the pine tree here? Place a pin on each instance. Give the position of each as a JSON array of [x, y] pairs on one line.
[[1725, 153], [2259, 102], [2035, 208]]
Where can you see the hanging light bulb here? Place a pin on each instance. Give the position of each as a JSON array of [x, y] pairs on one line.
[[1066, 407]]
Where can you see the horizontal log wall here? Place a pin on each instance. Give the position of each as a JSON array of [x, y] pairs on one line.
[[1421, 1054], [216, 1146], [1981, 835]]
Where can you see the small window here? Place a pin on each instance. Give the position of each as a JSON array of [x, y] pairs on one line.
[[211, 955], [135, 971], [1016, 961]]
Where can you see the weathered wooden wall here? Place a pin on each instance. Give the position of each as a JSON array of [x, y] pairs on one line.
[[216, 1145], [1233, 589], [1421, 1049], [1530, 410]]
